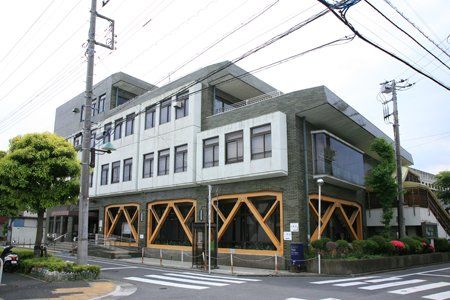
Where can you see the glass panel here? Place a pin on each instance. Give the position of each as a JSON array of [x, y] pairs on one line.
[[171, 232], [149, 118]]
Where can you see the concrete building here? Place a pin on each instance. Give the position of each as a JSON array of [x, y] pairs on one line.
[[261, 150]]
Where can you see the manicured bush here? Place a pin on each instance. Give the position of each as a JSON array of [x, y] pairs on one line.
[[381, 243], [320, 245], [342, 247], [364, 247], [399, 247], [441, 245], [23, 253], [330, 246], [413, 246]]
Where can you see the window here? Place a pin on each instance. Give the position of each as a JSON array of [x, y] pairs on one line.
[[211, 152], [107, 133], [127, 167], [115, 172], [182, 105], [221, 104], [91, 179], [82, 113], [163, 162], [129, 125], [234, 147], [118, 129], [104, 178], [147, 168], [92, 145], [261, 142], [150, 117], [94, 108], [164, 111], [181, 158], [77, 140], [121, 96], [101, 103]]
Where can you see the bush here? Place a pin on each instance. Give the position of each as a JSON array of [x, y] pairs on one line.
[[441, 245], [364, 247], [381, 244], [23, 253], [413, 245], [320, 244], [330, 246], [399, 247]]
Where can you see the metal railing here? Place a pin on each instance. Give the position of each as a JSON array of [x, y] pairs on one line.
[[254, 100]]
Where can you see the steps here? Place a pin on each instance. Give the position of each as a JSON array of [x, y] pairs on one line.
[[97, 250], [440, 213]]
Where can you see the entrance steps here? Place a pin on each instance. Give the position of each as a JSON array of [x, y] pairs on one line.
[[97, 250]]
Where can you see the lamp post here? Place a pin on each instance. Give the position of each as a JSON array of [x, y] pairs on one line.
[[319, 184]]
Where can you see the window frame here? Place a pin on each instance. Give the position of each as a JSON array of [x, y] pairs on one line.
[[166, 158], [127, 164], [115, 166], [129, 121], [104, 176], [214, 146], [184, 109], [167, 103], [101, 103], [151, 161], [118, 124], [184, 154], [150, 110], [265, 153], [107, 132], [234, 140]]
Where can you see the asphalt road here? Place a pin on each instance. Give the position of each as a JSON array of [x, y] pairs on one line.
[[431, 282]]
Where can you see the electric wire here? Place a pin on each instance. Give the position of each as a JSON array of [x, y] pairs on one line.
[[343, 19]]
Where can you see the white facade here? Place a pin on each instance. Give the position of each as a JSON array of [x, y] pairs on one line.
[[184, 131]]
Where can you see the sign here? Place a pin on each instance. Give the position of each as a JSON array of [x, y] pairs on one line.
[[126, 228], [141, 236], [297, 254], [294, 227], [288, 236]]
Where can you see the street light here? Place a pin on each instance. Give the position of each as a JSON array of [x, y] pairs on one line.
[[319, 184]]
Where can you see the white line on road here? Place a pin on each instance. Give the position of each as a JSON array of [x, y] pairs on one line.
[[392, 284], [344, 280], [420, 288], [223, 277], [436, 275], [117, 268], [383, 279], [206, 278], [438, 296], [186, 280], [353, 283], [166, 283]]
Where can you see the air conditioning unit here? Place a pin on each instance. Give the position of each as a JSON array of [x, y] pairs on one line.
[[178, 104]]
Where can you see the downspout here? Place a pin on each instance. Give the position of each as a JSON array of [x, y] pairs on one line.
[[306, 179]]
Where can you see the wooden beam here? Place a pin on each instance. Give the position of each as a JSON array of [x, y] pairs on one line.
[[130, 223], [313, 209], [191, 211], [114, 223], [160, 223], [154, 214], [271, 210], [183, 224], [221, 216], [353, 217], [344, 215], [230, 217]]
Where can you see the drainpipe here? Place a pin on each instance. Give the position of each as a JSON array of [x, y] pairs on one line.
[[306, 179]]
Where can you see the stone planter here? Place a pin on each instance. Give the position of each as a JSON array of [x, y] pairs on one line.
[[359, 266], [48, 275]]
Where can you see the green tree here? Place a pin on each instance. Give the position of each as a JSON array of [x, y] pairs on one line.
[[443, 183], [381, 181], [39, 171]]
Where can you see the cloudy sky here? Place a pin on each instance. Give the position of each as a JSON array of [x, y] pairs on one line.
[[43, 65]]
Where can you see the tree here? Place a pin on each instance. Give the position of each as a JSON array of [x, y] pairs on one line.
[[443, 183], [39, 171], [381, 181]]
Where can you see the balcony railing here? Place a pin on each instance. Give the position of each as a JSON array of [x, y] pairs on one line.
[[250, 101]]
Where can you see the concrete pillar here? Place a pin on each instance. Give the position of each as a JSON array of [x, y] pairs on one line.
[[54, 225], [61, 227], [69, 228], [101, 220], [142, 225]]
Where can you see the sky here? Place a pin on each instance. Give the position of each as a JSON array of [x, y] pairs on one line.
[[43, 65]]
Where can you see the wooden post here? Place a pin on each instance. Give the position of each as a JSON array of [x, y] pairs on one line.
[[160, 257]]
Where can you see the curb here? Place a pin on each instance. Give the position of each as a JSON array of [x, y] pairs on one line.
[[122, 290]]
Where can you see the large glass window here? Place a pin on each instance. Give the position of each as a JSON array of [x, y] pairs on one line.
[[234, 150], [129, 125], [164, 111], [147, 168], [181, 158], [163, 162], [121, 96], [261, 142], [211, 152], [182, 105], [150, 117], [115, 172], [104, 177], [335, 158], [127, 167], [77, 140], [118, 129], [221, 104], [107, 133], [101, 103]]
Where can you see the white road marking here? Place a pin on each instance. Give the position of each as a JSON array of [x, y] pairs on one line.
[[353, 283], [186, 280], [122, 290], [166, 283], [424, 272], [344, 280], [420, 288], [205, 278], [295, 299], [436, 275], [438, 296], [392, 284], [222, 277], [383, 279], [117, 268]]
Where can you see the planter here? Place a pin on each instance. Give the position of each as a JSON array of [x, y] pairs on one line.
[[358, 266], [48, 275]]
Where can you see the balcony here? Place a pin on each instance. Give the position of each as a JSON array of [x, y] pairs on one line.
[[232, 106]]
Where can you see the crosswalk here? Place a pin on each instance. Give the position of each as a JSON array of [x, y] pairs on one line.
[[191, 280], [394, 285]]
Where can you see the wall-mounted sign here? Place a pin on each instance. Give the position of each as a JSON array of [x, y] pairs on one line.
[[294, 227], [288, 236], [141, 236]]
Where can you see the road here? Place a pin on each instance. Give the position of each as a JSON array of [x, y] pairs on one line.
[[431, 282]]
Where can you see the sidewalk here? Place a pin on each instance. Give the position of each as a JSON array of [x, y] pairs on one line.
[[19, 286], [224, 270]]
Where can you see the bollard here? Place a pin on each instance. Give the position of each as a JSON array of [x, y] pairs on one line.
[[160, 257], [318, 266], [276, 263], [231, 262], [204, 260], [182, 256], [142, 258], [1, 270]]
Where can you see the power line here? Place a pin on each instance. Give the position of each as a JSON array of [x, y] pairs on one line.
[[344, 20], [27, 31]]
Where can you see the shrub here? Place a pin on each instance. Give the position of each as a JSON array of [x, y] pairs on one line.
[[399, 247], [413, 245], [342, 246], [23, 253], [381, 243], [364, 247], [330, 246], [441, 245], [320, 244]]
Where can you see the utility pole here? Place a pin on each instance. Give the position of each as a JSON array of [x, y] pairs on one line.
[[387, 88], [83, 202]]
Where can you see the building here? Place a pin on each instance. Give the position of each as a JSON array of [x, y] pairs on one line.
[[22, 229], [261, 150]]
